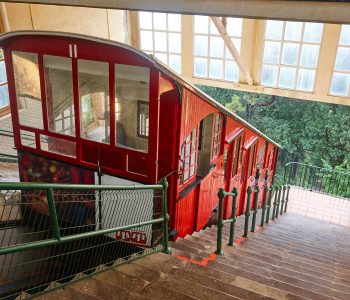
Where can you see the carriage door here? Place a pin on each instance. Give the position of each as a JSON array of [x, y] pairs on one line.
[[247, 173], [233, 171]]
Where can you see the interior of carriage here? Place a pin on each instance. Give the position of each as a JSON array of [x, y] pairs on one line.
[[57, 112]]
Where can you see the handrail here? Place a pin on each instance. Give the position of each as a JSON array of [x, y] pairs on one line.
[[316, 167]]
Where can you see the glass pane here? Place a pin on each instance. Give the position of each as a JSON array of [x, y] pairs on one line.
[[2, 72], [28, 138], [4, 96], [269, 76], [231, 71], [237, 44], [274, 30], [145, 20], [175, 42], [146, 39], [200, 67], [59, 94], [340, 84], [342, 62], [94, 100], [174, 22], [216, 47], [313, 32], [215, 69], [162, 57], [200, 45], [160, 42], [201, 24], [272, 52], [306, 80], [159, 21], [290, 54], [309, 56], [287, 78], [345, 35], [293, 31], [234, 26], [132, 87], [55, 145], [27, 80], [213, 29], [175, 63]]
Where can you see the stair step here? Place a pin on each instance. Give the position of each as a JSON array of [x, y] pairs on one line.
[[66, 293]]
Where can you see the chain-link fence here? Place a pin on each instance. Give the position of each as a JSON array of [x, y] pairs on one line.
[[53, 234]]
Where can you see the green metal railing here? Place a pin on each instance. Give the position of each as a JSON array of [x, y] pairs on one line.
[[278, 207], [55, 233], [318, 179]]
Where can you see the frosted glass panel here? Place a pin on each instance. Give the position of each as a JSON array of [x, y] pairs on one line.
[[200, 67], [213, 29], [159, 21], [215, 70], [145, 20], [306, 80], [234, 26], [162, 57], [175, 62], [313, 32], [293, 31], [287, 77], [200, 45], [231, 71], [272, 52], [345, 35], [269, 76], [340, 84], [174, 22], [290, 54], [160, 41], [3, 77], [201, 24], [342, 62], [146, 39], [4, 96], [309, 56], [216, 47], [274, 30], [175, 42]]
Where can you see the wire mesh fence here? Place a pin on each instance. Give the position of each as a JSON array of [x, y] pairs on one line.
[[52, 234]]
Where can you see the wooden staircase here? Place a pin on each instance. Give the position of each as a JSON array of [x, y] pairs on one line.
[[293, 257]]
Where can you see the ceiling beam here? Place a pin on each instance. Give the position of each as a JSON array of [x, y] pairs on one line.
[[317, 11], [220, 26]]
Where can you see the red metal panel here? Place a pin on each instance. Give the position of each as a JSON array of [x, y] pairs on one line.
[[185, 213]]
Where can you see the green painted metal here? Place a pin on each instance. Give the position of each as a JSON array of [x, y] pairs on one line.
[[264, 205], [278, 201], [270, 189], [221, 195], [287, 198], [255, 209], [275, 203], [283, 197], [247, 212], [165, 214], [53, 214], [233, 217]]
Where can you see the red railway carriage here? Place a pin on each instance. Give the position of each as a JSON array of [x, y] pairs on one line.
[[81, 104]]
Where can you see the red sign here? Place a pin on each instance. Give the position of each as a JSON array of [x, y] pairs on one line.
[[134, 237]]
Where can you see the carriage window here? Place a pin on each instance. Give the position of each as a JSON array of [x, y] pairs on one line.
[[59, 94], [28, 138], [188, 157], [217, 136], [27, 81], [132, 106], [236, 156], [4, 95], [94, 100], [251, 160], [54, 145]]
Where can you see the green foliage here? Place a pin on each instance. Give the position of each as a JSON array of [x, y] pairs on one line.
[[310, 132]]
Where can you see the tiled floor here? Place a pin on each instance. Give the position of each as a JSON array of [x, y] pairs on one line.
[[9, 172], [319, 206]]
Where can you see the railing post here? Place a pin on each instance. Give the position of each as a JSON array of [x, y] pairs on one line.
[[269, 204], [165, 216], [233, 217], [255, 210], [247, 212], [275, 203], [53, 214], [287, 198], [263, 209], [282, 200], [278, 201], [221, 195]]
